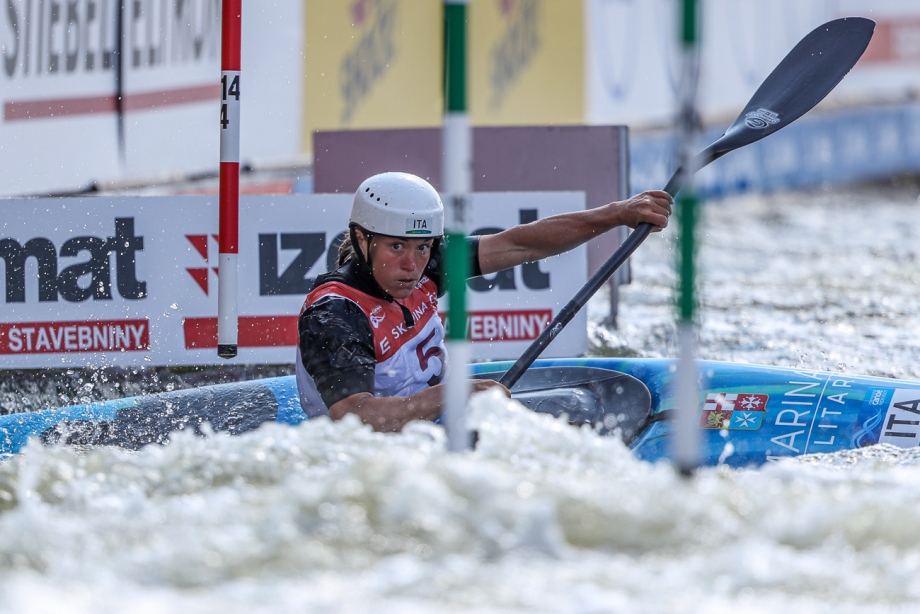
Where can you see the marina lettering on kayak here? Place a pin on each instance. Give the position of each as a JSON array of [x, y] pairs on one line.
[[812, 409]]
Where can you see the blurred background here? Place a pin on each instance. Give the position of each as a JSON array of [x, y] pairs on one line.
[[116, 98], [103, 95]]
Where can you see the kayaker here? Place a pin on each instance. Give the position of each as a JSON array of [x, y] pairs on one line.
[[371, 342]]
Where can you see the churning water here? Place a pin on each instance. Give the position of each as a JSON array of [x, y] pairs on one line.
[[541, 517]]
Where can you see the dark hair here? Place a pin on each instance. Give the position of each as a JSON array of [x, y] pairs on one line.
[[346, 251]]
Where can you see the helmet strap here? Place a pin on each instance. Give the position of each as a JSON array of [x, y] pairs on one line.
[[368, 237], [364, 270]]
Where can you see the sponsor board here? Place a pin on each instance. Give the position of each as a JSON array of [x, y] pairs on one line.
[[526, 63], [131, 280], [514, 325], [137, 84], [371, 64], [65, 337], [146, 103]]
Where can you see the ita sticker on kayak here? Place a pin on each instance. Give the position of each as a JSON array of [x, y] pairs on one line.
[[889, 416], [901, 426], [736, 411]]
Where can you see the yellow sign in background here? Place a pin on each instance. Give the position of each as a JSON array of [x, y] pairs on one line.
[[378, 64], [372, 64], [527, 62]]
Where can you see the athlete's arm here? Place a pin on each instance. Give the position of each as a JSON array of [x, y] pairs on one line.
[[560, 233], [337, 348], [388, 414]]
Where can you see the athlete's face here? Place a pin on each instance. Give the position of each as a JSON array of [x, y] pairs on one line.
[[398, 263]]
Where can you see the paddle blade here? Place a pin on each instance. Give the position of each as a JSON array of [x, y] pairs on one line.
[[805, 76]]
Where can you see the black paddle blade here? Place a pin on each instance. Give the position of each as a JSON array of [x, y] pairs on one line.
[[804, 78], [806, 75]]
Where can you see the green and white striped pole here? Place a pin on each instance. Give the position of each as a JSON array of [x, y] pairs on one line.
[[457, 172], [685, 437]]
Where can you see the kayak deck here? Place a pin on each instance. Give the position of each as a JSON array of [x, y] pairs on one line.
[[747, 414]]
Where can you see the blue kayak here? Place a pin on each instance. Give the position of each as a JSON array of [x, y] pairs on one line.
[[747, 414]]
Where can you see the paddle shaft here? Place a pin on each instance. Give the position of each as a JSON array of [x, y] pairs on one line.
[[568, 312], [565, 315], [805, 76]]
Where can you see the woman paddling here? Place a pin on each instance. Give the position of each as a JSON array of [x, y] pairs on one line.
[[371, 342]]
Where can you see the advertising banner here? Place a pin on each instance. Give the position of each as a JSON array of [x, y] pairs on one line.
[[100, 91], [171, 86], [371, 64], [526, 63], [133, 281], [104, 90], [58, 69]]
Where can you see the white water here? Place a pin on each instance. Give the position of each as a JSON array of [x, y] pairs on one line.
[[541, 517], [824, 280]]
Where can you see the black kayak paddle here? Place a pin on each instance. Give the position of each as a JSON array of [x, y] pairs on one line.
[[805, 76]]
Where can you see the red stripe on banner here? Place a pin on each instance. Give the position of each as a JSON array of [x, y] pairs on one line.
[[172, 98], [231, 30], [254, 332], [58, 107], [277, 331], [19, 110], [894, 41], [229, 225], [78, 336]]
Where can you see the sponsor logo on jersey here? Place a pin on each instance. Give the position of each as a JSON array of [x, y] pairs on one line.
[[377, 316]]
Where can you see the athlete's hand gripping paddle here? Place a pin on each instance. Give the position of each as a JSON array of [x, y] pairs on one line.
[[805, 76]]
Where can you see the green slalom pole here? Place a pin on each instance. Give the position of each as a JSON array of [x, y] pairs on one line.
[[457, 172], [685, 434]]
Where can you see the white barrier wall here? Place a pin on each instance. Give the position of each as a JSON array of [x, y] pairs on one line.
[[81, 104], [133, 281]]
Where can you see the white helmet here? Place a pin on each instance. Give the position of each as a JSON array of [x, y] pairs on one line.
[[398, 205]]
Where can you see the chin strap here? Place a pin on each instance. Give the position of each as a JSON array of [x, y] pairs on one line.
[[363, 269]]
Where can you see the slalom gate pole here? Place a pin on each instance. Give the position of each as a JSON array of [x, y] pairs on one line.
[[457, 172], [685, 434], [229, 220]]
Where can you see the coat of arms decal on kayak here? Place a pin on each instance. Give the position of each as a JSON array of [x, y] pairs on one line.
[[739, 411]]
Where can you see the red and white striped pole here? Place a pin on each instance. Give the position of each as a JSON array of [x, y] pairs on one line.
[[229, 224]]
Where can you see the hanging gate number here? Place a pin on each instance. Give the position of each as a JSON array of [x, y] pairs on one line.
[[230, 116], [231, 90]]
